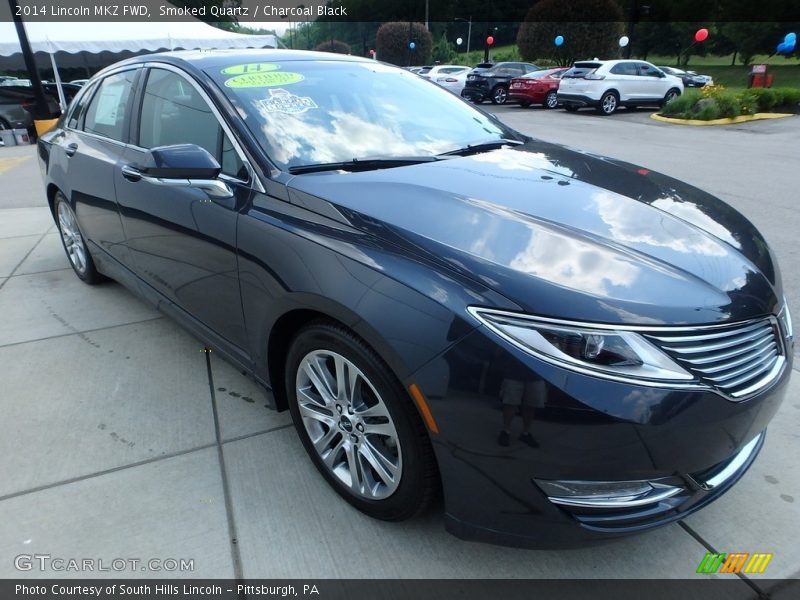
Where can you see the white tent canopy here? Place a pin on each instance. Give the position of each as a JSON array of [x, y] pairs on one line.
[[98, 44], [92, 44], [116, 36]]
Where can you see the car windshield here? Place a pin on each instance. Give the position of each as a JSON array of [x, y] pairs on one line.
[[312, 112]]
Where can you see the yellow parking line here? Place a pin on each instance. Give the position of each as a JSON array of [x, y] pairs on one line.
[[6, 164]]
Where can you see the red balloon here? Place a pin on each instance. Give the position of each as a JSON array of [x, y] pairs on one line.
[[490, 40], [701, 35]]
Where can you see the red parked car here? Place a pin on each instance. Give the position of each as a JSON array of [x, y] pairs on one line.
[[539, 87]]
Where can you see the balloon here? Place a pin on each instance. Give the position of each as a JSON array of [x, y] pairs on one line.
[[782, 48], [459, 41], [701, 35], [412, 45], [490, 40], [790, 47], [790, 38], [623, 41], [559, 40]]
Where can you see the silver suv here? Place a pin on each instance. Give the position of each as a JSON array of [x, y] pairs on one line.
[[608, 84]]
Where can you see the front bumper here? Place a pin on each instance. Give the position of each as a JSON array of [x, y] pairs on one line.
[[587, 429]]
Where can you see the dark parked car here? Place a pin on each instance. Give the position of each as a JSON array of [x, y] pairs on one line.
[[689, 79], [16, 103], [492, 84], [573, 348], [539, 87]]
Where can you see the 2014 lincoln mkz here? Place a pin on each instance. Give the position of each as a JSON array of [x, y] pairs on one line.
[[564, 347]]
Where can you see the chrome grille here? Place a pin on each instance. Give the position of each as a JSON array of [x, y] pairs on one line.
[[738, 360]]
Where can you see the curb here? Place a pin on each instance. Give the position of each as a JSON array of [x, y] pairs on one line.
[[729, 121]]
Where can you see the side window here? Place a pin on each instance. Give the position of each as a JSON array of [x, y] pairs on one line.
[[173, 112], [106, 113], [648, 70], [79, 109], [624, 68]]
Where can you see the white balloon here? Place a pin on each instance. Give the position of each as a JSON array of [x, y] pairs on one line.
[[623, 41], [459, 41]]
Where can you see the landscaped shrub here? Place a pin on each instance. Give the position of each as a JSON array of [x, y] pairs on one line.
[[681, 104], [728, 104], [714, 102]]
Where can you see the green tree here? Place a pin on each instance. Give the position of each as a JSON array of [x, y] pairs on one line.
[[589, 27], [443, 51], [335, 46], [393, 43]]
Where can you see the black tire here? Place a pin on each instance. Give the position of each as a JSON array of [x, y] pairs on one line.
[[524, 103], [87, 272], [551, 100], [418, 480], [499, 95], [670, 95], [4, 124], [570, 108], [609, 103]]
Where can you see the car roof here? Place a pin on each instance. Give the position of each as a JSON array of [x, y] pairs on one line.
[[206, 59]]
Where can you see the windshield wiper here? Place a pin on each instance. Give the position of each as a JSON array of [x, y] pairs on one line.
[[362, 164], [481, 147]]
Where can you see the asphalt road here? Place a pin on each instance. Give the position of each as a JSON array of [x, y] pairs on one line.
[[752, 166]]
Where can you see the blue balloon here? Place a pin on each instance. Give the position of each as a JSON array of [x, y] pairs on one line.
[[559, 40], [791, 38], [781, 48], [789, 48], [412, 45]]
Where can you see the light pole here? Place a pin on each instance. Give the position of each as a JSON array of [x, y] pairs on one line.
[[469, 29]]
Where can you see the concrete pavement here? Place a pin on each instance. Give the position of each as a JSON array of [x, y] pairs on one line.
[[124, 439]]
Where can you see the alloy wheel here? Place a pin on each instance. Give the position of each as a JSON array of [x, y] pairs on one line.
[[71, 235], [499, 95], [609, 104], [551, 101], [348, 424]]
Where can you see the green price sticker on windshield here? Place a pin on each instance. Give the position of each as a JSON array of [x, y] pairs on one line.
[[268, 79], [250, 68]]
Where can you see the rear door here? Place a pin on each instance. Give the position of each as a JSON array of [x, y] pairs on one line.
[[182, 242], [86, 159], [624, 77]]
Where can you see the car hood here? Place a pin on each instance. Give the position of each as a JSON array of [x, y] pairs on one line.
[[567, 234]]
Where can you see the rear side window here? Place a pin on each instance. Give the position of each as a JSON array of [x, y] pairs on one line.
[[174, 112], [580, 70], [625, 68], [108, 108]]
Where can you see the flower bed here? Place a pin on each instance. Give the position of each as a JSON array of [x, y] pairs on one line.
[[715, 102]]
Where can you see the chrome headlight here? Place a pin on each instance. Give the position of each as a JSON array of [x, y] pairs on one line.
[[598, 350]]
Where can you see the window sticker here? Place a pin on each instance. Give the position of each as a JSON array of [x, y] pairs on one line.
[[250, 68], [267, 79], [109, 103], [283, 101]]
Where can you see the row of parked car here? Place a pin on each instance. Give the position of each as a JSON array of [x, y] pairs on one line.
[[601, 84], [17, 100]]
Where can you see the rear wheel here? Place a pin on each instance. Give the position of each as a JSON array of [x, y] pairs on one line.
[[358, 424], [73, 242], [551, 100], [608, 103], [499, 94]]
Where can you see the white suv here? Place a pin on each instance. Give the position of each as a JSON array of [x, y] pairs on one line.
[[609, 84]]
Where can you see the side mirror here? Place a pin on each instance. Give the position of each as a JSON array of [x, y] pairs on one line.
[[181, 165], [181, 161]]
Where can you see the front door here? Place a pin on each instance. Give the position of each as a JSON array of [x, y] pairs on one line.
[[181, 240]]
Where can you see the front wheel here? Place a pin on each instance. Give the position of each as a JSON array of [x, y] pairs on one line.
[[608, 104], [551, 100], [499, 95], [671, 95], [73, 242], [357, 423]]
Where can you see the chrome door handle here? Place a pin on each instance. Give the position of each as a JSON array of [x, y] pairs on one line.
[[130, 173], [71, 149]]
